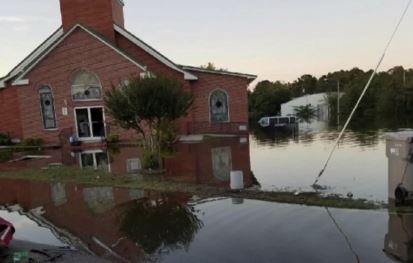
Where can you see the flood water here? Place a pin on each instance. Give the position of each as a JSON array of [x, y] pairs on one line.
[[121, 225], [284, 160]]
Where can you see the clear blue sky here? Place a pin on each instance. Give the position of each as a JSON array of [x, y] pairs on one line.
[[276, 39]]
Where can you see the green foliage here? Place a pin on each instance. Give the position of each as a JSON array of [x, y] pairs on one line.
[[6, 155], [211, 66], [5, 139], [390, 97], [150, 160], [306, 84], [305, 113], [32, 142], [113, 138], [267, 97], [150, 106]]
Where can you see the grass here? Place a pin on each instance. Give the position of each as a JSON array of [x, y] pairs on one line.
[[161, 184]]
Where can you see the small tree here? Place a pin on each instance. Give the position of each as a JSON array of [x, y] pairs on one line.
[[305, 113], [150, 106]]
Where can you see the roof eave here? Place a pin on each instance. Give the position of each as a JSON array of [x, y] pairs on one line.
[[33, 55], [228, 73]]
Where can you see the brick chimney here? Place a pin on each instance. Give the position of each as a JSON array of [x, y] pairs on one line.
[[99, 15]]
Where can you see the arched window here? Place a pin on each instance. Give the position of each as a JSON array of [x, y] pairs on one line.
[[86, 86], [218, 106], [47, 106]]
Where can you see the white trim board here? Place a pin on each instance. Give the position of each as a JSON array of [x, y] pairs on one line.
[[55, 44], [26, 61], [153, 52]]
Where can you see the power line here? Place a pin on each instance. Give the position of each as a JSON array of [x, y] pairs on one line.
[[363, 93]]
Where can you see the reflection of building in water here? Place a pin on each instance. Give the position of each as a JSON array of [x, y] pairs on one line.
[[92, 214], [398, 243], [99, 199], [210, 162], [221, 163], [94, 159]]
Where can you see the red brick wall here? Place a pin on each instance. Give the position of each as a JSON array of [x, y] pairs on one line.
[[118, 15], [10, 113], [100, 15], [198, 120], [235, 87], [79, 51], [157, 67], [82, 51], [76, 216]]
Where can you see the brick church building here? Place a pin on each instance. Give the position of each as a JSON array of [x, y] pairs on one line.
[[57, 90]]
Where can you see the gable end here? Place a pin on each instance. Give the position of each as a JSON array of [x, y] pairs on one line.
[[21, 81], [148, 49]]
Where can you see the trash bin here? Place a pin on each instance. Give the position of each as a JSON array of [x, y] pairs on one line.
[[399, 151]]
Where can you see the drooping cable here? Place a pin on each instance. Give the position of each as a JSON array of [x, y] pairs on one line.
[[363, 93]]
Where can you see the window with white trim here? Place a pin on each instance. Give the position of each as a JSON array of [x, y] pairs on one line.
[[86, 86], [218, 106], [47, 107]]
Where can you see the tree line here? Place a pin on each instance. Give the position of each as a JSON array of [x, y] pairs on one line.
[[390, 96]]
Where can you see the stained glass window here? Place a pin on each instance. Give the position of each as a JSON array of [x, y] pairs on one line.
[[218, 106], [86, 86], [47, 106]]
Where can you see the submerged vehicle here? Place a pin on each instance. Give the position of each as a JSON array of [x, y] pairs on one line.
[[277, 121]]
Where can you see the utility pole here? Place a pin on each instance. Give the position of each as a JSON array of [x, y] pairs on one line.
[[338, 103], [404, 78]]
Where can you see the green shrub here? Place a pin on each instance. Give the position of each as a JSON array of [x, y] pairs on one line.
[[150, 161], [113, 138], [6, 156], [4, 139], [32, 142]]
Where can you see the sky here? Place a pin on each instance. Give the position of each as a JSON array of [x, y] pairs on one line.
[[275, 39]]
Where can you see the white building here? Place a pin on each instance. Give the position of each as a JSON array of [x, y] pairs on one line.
[[317, 101]]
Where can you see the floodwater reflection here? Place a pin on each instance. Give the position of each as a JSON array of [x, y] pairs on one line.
[[398, 243], [123, 225], [207, 162], [161, 226], [291, 161]]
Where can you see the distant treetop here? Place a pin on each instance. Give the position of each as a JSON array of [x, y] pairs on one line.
[[211, 66]]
